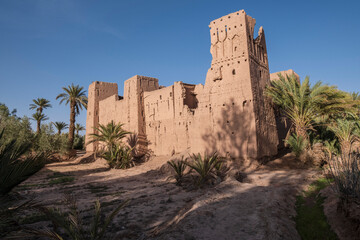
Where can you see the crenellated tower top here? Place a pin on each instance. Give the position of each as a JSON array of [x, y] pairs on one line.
[[232, 37]]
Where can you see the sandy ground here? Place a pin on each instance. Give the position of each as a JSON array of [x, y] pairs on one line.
[[262, 207]]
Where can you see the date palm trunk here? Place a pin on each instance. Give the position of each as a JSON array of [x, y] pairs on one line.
[[72, 124], [38, 126]]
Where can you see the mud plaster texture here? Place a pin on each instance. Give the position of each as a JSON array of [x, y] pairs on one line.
[[229, 114], [261, 207]]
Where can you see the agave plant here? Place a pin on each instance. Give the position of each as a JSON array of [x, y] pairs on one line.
[[179, 168], [205, 166], [72, 225]]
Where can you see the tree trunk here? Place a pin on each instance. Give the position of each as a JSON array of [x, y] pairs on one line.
[[72, 124], [38, 127], [59, 131]]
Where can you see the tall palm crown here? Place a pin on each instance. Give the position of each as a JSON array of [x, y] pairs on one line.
[[60, 126], [74, 96], [78, 128], [39, 117], [304, 104], [109, 134], [39, 104]]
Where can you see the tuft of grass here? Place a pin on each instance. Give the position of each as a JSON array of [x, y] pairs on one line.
[[56, 175], [179, 168], [71, 224], [62, 180], [311, 222]]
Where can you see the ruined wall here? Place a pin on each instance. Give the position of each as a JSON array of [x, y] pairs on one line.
[[275, 76], [228, 114], [97, 91]]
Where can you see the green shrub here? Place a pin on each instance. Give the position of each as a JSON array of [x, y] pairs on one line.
[[179, 168], [15, 167], [297, 144], [70, 225], [205, 167], [14, 127], [119, 156], [49, 143], [79, 142]]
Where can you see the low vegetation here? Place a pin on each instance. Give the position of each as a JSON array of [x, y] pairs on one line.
[[15, 166], [71, 224], [311, 222], [117, 146], [318, 113], [179, 168], [345, 170], [207, 169]]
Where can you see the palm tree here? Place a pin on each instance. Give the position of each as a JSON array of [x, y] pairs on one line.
[[76, 98], [40, 104], [78, 128], [60, 126], [38, 117], [347, 132], [109, 134], [304, 104]]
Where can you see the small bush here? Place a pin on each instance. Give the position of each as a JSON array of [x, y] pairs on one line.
[[206, 167], [79, 142], [179, 168], [15, 167], [297, 144], [345, 170], [119, 157], [48, 143], [70, 225]]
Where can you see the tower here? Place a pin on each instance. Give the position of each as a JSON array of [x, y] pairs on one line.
[[97, 92], [238, 76]]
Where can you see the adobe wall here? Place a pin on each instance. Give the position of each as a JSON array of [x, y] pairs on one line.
[[97, 92], [275, 76], [229, 113]]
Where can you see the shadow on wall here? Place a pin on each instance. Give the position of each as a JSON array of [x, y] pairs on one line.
[[232, 133]]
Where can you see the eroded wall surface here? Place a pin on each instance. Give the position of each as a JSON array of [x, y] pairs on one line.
[[229, 114]]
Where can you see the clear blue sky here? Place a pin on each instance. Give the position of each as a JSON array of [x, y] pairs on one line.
[[48, 44]]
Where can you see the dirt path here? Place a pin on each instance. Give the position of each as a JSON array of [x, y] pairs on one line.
[[262, 208]]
